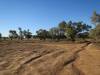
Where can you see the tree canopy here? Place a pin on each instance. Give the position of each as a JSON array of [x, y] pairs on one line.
[[95, 33], [95, 18]]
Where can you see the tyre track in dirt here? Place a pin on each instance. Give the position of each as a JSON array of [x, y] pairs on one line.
[[41, 62], [77, 71], [45, 60], [71, 63]]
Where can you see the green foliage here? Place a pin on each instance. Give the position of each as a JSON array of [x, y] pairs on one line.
[[95, 33], [0, 35], [95, 18], [54, 33], [70, 33], [24, 34], [21, 36], [62, 29], [42, 34], [13, 34], [62, 25], [68, 30], [73, 29], [27, 34]]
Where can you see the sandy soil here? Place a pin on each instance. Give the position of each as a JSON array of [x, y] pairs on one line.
[[43, 58]]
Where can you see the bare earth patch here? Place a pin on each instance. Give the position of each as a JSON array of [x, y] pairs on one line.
[[36, 58]]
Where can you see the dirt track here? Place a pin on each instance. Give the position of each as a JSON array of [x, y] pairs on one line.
[[21, 58]]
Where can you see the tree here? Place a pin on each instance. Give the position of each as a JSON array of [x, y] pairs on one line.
[[20, 33], [70, 32], [42, 34], [54, 33], [95, 33], [0, 35], [62, 25], [27, 34], [75, 28], [13, 34], [95, 18], [62, 29]]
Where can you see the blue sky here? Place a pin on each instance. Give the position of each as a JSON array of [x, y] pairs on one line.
[[36, 14]]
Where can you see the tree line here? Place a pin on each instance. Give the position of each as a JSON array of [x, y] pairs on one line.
[[22, 34], [65, 30]]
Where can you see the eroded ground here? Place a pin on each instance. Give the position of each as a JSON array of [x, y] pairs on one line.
[[36, 58]]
